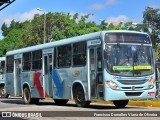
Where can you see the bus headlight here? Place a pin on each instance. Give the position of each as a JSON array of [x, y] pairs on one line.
[[151, 82], [150, 86], [112, 85]]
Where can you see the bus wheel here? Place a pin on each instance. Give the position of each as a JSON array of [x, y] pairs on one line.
[[2, 94], [27, 96], [79, 97], [120, 103], [6, 95], [60, 101]]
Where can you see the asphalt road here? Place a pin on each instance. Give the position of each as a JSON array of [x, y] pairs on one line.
[[15, 107]]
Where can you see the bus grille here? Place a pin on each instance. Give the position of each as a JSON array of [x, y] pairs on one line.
[[132, 82], [133, 93]]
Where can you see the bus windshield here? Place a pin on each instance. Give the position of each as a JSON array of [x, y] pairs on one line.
[[129, 60]]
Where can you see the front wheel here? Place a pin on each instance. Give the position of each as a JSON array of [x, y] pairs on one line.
[[27, 97], [2, 93], [120, 103], [79, 97]]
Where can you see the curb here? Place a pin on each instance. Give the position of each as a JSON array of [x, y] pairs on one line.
[[138, 103], [145, 103]]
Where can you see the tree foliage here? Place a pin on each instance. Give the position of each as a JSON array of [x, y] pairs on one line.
[[61, 25], [152, 20]]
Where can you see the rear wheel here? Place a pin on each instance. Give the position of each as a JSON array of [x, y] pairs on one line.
[[2, 93], [6, 95], [120, 103], [60, 101], [27, 97], [79, 97]]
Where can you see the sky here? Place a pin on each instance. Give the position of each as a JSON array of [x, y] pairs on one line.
[[109, 10]]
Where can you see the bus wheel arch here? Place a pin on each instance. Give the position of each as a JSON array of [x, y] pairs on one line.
[[79, 95]]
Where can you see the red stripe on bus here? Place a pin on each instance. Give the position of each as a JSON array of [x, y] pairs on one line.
[[37, 83]]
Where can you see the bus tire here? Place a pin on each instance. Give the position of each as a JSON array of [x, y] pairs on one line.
[[79, 97], [120, 103], [27, 96], [2, 94], [60, 101], [6, 95]]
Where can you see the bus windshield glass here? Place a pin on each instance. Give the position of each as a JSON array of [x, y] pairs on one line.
[[127, 38], [129, 60]]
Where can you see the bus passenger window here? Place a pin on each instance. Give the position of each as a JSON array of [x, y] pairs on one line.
[[64, 56], [37, 60], [10, 64], [2, 67], [79, 54], [26, 61]]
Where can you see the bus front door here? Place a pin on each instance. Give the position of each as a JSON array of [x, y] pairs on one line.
[[47, 76], [96, 84], [17, 82]]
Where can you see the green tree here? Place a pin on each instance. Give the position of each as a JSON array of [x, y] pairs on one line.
[[11, 41], [152, 20], [4, 29]]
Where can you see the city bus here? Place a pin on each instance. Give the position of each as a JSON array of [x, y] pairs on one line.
[[2, 76], [114, 65]]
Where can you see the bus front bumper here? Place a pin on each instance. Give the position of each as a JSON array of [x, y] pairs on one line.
[[111, 94]]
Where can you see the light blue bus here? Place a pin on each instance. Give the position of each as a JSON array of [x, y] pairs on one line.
[[108, 65], [2, 76]]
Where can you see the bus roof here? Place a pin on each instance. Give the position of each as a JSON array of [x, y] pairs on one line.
[[90, 36]]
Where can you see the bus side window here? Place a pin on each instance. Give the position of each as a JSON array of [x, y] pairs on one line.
[[79, 54], [64, 56], [37, 60], [26, 61], [2, 67], [10, 64]]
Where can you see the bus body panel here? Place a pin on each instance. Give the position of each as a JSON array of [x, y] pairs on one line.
[[64, 78], [9, 84]]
